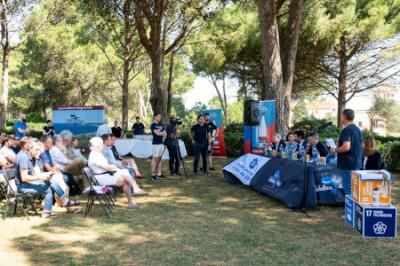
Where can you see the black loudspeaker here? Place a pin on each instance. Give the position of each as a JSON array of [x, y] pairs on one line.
[[251, 113]]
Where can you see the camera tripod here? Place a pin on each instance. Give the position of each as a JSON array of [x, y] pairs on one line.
[[179, 158]]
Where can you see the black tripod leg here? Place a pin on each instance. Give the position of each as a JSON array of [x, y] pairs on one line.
[[180, 158]]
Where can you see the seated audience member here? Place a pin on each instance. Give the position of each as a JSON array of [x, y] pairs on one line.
[[6, 150], [62, 162], [30, 179], [15, 147], [7, 166], [76, 149], [48, 165], [292, 147], [109, 175], [126, 163], [49, 130], [117, 130], [299, 138], [104, 129], [277, 145], [313, 142], [2, 136], [67, 138], [108, 154], [372, 157]]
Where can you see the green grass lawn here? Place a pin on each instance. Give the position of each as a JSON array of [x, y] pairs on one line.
[[201, 220]]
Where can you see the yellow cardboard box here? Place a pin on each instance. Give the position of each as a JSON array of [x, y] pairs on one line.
[[363, 184]]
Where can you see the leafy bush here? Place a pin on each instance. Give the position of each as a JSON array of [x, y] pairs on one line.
[[391, 155], [233, 128], [234, 144], [188, 143]]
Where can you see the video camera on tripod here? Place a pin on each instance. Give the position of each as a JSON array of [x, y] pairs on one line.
[[175, 121]]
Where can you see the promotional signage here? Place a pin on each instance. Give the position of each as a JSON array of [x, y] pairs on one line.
[[246, 167], [378, 222], [218, 144], [78, 120], [365, 182], [349, 211], [258, 138]]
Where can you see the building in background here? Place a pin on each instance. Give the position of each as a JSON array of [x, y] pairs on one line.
[[327, 108]]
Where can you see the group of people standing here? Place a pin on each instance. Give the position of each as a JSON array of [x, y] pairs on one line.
[[350, 153], [201, 134]]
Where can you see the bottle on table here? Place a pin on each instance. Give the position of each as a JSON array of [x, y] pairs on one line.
[[375, 197], [302, 153], [315, 156]]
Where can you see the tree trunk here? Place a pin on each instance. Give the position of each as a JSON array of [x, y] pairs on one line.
[[171, 70], [125, 96], [225, 107], [221, 96], [272, 65], [126, 67], [342, 79], [5, 87], [159, 94], [289, 59], [5, 42]]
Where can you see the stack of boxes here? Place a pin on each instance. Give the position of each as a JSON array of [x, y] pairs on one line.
[[369, 208]]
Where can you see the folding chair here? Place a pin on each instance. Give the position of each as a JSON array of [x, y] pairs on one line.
[[3, 188], [99, 193], [12, 194]]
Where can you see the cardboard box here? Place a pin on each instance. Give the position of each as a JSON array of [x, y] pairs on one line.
[[363, 184], [376, 222], [349, 211]]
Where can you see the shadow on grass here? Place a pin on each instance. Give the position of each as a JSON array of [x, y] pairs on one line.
[[202, 221]]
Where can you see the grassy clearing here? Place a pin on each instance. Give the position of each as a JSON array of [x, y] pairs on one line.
[[202, 220]]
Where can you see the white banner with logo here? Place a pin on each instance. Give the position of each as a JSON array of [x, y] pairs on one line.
[[246, 167]]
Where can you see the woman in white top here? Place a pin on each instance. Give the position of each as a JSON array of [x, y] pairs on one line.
[[107, 174]]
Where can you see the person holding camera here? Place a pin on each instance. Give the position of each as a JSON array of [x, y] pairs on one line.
[[173, 146], [201, 139]]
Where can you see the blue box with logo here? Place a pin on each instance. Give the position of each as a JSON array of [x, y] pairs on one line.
[[377, 222], [349, 211]]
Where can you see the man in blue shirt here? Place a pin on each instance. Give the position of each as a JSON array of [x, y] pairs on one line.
[[48, 165], [201, 139], [158, 132], [21, 128], [349, 149], [31, 179]]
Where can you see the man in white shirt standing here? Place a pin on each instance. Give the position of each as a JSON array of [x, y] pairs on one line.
[[104, 129]]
